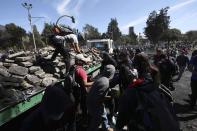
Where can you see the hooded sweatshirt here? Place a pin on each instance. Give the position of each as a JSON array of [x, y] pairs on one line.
[[100, 87]]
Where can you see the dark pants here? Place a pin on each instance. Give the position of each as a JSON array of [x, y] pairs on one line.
[[194, 92], [83, 102], [69, 63]]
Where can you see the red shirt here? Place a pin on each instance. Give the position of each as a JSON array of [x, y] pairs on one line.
[[81, 75]]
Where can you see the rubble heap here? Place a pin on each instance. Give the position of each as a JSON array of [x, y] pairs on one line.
[[25, 70]]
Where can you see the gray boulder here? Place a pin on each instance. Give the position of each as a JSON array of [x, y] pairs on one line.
[[11, 84], [22, 59], [32, 79], [40, 73], [33, 69], [48, 81], [18, 70], [9, 61], [4, 72], [13, 78], [9, 64], [26, 64], [16, 54], [26, 85]]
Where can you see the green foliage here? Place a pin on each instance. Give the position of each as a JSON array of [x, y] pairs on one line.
[[4, 39], [125, 39], [113, 30], [133, 38], [191, 36], [129, 39], [91, 32], [171, 35], [157, 24], [16, 33], [46, 32]]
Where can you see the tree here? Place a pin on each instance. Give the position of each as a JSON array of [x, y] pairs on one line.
[[91, 32], [157, 24], [171, 35], [113, 30], [4, 37], [133, 38], [125, 39], [16, 33], [46, 32], [191, 36]]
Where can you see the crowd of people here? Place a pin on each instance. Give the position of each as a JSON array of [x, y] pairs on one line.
[[142, 102]]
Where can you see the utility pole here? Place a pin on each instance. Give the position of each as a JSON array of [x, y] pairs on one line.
[[28, 7]]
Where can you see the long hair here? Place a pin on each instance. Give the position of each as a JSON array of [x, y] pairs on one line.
[[141, 63]]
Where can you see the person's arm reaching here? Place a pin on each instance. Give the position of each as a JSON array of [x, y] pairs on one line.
[[77, 49], [56, 52], [82, 73]]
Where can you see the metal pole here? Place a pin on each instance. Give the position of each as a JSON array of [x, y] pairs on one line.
[[29, 18], [28, 7]]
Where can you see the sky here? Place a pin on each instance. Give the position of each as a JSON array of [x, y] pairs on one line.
[[183, 13]]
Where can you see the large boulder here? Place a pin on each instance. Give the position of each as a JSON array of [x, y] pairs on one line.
[[4, 72], [33, 69], [18, 70], [40, 73], [22, 59], [16, 54], [6, 64], [9, 61], [26, 85], [13, 78], [26, 64], [48, 81], [10, 84], [32, 79], [48, 75]]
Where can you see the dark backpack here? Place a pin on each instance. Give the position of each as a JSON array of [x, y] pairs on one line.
[[167, 67], [71, 87], [155, 111]]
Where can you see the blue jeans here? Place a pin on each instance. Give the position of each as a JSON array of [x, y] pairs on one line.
[[98, 115]]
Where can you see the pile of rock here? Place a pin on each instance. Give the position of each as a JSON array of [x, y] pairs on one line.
[[24, 70], [19, 71]]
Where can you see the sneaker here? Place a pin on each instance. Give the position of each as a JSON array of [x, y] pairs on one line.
[[114, 120], [110, 129]]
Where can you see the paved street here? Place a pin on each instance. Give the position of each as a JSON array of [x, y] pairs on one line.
[[187, 117]]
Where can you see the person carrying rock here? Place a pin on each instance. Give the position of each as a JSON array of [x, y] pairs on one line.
[[66, 43]]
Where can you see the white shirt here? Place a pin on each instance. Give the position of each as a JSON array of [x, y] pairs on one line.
[[71, 37]]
